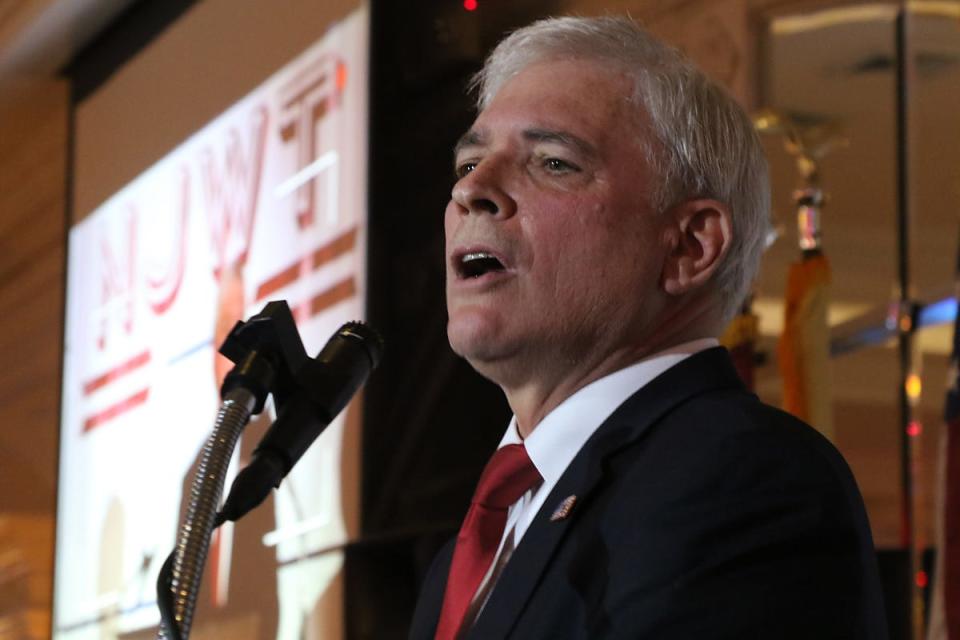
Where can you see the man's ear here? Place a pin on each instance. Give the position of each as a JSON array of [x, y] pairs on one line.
[[701, 234]]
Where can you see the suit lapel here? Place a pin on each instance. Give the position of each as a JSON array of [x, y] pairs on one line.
[[706, 371], [423, 626]]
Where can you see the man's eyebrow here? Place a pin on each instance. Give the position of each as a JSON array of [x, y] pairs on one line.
[[475, 138], [560, 137], [471, 138]]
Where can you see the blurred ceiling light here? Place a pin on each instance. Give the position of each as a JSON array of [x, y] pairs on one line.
[[770, 311], [949, 8], [860, 13], [934, 337], [832, 17]]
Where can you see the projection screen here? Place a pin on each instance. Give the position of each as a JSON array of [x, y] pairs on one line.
[[191, 212]]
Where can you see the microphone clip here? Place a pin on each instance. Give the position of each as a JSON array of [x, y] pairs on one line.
[[308, 392], [267, 352]]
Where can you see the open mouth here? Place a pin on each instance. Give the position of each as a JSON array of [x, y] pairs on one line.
[[478, 263]]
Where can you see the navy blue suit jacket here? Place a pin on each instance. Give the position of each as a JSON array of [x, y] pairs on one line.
[[700, 513]]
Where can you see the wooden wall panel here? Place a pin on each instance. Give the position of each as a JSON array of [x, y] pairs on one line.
[[33, 153]]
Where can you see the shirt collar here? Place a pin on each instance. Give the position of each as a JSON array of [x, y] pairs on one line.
[[561, 434]]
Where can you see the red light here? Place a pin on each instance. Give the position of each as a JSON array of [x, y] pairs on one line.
[[914, 429], [470, 5], [922, 579], [341, 78]]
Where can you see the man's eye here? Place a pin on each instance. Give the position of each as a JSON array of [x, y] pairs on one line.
[[556, 165], [464, 168]]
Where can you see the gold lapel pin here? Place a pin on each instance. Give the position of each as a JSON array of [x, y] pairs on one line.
[[562, 512]]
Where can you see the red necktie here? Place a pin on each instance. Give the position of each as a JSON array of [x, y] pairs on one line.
[[508, 475]]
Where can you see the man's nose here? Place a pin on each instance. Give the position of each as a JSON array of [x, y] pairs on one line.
[[484, 189]]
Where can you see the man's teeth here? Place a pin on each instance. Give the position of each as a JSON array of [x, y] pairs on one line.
[[479, 255]]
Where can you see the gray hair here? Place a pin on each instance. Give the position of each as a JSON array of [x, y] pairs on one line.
[[703, 143]]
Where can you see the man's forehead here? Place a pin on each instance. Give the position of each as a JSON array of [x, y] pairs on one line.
[[572, 102]]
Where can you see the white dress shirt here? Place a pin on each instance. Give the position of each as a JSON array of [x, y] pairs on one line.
[[557, 439]]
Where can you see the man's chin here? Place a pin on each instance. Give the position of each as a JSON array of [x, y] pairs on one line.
[[484, 350], [468, 344]]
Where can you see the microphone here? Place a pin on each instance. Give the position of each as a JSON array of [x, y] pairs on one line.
[[322, 388]]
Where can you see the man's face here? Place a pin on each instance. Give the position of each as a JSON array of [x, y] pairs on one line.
[[553, 255]]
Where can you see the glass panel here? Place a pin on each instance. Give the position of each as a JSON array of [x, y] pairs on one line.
[[933, 38]]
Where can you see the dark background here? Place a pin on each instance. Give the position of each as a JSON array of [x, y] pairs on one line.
[[430, 421]]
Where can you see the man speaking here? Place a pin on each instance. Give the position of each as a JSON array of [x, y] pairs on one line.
[[607, 220]]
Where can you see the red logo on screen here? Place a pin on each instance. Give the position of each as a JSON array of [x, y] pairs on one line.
[[116, 317], [230, 175], [163, 287], [117, 280], [306, 101]]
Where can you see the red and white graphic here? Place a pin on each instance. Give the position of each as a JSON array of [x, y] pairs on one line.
[[310, 98], [164, 277], [117, 269], [230, 173]]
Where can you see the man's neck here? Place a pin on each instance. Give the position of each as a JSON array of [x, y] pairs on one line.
[[546, 387], [638, 372]]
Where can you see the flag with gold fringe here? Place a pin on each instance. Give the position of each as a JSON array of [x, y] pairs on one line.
[[803, 352]]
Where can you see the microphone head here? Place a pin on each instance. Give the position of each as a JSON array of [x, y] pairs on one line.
[[367, 336]]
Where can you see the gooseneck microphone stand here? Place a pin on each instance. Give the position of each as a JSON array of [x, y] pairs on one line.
[[308, 394]]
